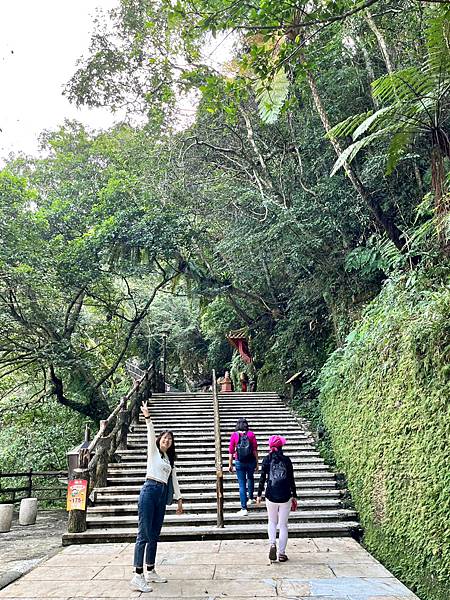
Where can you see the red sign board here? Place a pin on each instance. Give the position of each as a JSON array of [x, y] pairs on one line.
[[76, 494]]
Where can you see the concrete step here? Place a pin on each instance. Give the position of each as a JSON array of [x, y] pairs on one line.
[[228, 417], [122, 508], [185, 455], [208, 465], [232, 411], [111, 495], [123, 486], [186, 439], [300, 516], [227, 428], [177, 425], [208, 474], [262, 434], [224, 402], [192, 435], [130, 478], [258, 530], [207, 450], [200, 394], [141, 454]]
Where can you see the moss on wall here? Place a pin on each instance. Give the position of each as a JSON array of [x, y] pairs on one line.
[[385, 400], [270, 379]]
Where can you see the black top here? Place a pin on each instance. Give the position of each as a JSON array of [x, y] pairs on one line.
[[279, 472]]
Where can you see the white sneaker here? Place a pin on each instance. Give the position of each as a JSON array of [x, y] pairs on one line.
[[242, 513], [250, 501], [138, 583], [153, 577]]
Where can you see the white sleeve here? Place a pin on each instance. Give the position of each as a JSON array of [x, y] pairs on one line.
[[176, 485], [151, 437]]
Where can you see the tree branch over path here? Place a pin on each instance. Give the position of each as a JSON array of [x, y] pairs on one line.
[[137, 320]]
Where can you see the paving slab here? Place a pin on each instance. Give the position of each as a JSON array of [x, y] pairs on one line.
[[318, 569], [24, 547]]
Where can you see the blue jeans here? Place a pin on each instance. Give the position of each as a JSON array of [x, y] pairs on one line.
[[245, 472], [151, 511]]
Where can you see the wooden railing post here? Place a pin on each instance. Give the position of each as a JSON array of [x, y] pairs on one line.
[[30, 484], [101, 460], [124, 424], [77, 518], [218, 448]]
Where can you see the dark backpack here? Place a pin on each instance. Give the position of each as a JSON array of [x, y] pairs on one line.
[[244, 448], [278, 474]]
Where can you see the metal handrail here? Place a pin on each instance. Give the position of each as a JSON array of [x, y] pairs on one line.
[[218, 453], [34, 474], [30, 487]]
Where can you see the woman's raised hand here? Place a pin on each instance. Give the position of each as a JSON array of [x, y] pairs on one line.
[[144, 410]]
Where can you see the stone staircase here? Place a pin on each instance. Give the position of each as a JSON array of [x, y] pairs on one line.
[[113, 518]]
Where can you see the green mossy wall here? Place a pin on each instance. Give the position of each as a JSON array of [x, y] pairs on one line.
[[385, 400]]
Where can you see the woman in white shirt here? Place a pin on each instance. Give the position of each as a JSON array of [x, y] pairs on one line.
[[161, 476]]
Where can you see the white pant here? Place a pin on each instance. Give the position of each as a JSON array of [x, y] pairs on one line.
[[278, 515]]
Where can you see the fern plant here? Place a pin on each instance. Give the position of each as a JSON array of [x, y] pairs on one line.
[[415, 102]]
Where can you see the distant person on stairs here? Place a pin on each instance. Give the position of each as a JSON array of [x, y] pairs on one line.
[[160, 488], [243, 450], [243, 379], [281, 494]]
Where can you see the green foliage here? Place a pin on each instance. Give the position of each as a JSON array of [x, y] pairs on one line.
[[271, 378], [75, 248], [415, 103], [384, 399], [217, 319], [38, 439]]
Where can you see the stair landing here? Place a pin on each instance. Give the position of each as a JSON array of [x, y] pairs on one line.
[[331, 569]]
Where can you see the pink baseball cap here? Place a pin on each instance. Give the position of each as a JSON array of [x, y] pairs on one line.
[[276, 441]]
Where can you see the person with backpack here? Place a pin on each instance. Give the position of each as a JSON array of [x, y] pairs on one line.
[[159, 490], [281, 495], [243, 450]]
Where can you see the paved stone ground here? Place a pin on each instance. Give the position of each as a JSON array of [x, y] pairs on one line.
[[22, 548], [318, 569]]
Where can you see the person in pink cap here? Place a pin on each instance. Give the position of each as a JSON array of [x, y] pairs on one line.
[[281, 494]]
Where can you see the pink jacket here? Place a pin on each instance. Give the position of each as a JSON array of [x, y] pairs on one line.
[[234, 439]]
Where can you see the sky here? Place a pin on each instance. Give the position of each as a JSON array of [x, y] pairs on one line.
[[40, 42]]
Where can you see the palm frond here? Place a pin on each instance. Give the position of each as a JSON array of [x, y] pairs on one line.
[[438, 40], [397, 149], [349, 153], [348, 126], [372, 120], [391, 256], [422, 233], [271, 99], [403, 85]]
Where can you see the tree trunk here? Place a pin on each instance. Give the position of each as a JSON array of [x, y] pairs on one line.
[[96, 408], [441, 198], [381, 41], [369, 67], [392, 231]]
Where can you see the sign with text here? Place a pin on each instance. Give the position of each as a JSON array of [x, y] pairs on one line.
[[76, 494]]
